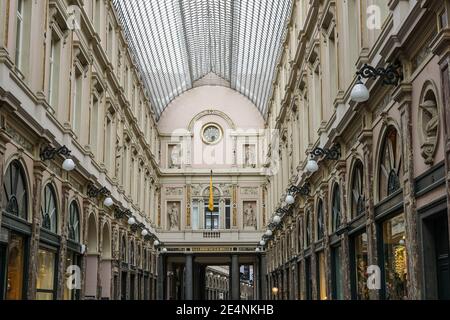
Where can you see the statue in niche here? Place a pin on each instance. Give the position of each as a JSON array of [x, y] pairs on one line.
[[430, 128], [173, 216], [175, 156], [249, 155], [249, 215]]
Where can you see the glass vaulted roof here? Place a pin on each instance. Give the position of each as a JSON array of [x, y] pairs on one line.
[[179, 44]]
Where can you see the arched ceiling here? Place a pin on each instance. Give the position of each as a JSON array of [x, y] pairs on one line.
[[180, 43]]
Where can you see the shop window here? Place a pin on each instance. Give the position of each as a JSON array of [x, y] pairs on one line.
[[15, 195], [15, 267], [338, 290], [49, 209], [46, 275], [360, 260], [123, 252], [321, 276], [395, 258]]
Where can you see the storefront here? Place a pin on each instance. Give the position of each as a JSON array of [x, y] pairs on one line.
[[73, 255], [48, 247], [15, 234]]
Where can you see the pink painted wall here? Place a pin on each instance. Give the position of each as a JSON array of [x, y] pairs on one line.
[[180, 111]]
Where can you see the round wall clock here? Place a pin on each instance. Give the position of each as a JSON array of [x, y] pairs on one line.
[[211, 133]]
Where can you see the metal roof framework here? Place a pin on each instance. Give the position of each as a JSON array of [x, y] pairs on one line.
[[178, 42]]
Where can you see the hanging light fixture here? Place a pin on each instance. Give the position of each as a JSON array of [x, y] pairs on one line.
[[269, 233], [277, 219], [258, 249], [49, 153], [108, 202], [156, 243], [68, 165], [262, 243], [144, 233], [131, 221], [164, 250], [360, 93], [312, 165], [391, 75], [290, 199]]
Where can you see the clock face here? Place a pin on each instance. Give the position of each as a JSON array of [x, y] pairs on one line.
[[211, 134]]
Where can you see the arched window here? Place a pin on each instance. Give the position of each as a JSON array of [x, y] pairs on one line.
[[357, 190], [320, 221], [336, 209], [15, 195], [307, 229], [49, 209], [123, 245], [390, 164], [74, 222], [132, 262]]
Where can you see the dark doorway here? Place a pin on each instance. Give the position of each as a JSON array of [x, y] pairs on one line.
[[308, 278], [436, 257], [123, 289], [2, 270], [132, 288]]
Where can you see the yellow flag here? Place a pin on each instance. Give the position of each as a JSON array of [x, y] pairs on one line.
[[211, 194]]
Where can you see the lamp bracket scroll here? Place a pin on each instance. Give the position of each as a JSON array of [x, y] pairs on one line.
[[391, 75], [333, 153]]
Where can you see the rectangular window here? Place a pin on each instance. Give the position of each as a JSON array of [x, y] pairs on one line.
[[97, 15], [94, 124], [19, 33], [53, 81], [108, 144], [45, 285], [228, 214], [77, 102], [308, 278], [395, 258], [360, 261], [212, 218]]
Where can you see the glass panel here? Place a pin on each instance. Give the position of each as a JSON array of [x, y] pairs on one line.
[[336, 223], [361, 264], [227, 214], [48, 209], [177, 43], [16, 255], [321, 276], [337, 265], [357, 196], [395, 258], [74, 222], [15, 194], [390, 164], [212, 218], [44, 296], [320, 221], [46, 272]]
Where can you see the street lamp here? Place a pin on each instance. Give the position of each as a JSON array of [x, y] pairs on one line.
[[391, 75], [164, 250], [144, 233], [49, 153], [294, 190], [268, 233], [156, 243], [277, 219], [333, 153], [262, 243], [108, 202]]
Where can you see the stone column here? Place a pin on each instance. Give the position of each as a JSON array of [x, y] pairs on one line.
[[263, 279], [63, 249], [160, 279], [366, 140], [235, 277], [189, 293], [39, 168], [4, 139], [403, 95]]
